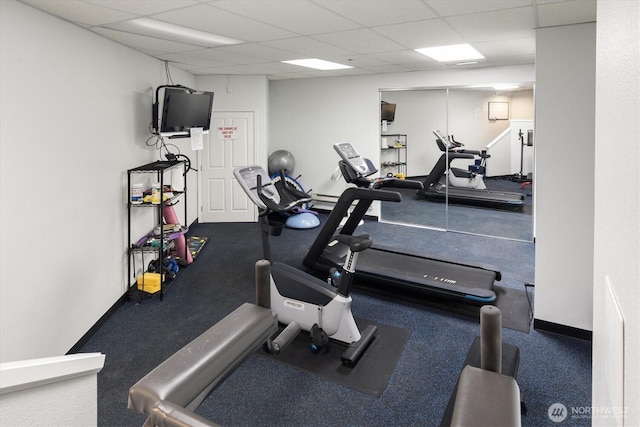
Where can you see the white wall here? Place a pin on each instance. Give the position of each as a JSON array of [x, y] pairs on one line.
[[75, 110], [617, 222], [565, 112], [60, 390], [307, 116]]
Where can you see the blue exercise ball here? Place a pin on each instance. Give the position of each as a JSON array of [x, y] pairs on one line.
[[281, 160]]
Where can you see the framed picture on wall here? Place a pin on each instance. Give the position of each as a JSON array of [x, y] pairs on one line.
[[498, 110]]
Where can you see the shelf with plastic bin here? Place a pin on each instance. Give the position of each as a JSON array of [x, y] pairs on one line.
[[393, 141], [396, 144], [151, 282], [393, 147], [159, 196], [392, 164], [153, 241], [169, 197]]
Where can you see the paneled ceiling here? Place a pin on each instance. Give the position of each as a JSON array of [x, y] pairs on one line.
[[373, 36]]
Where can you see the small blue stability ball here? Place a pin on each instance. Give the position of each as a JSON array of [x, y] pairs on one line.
[[302, 221], [281, 160]]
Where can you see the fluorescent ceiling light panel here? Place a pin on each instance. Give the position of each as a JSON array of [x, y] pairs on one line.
[[455, 52], [507, 86], [166, 31], [318, 64]]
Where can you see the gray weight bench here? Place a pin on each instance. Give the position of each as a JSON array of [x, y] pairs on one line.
[[170, 393], [484, 396]]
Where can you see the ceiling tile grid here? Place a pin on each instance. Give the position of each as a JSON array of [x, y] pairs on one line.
[[373, 36]]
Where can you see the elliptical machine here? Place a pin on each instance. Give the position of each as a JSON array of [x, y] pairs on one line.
[[321, 308]]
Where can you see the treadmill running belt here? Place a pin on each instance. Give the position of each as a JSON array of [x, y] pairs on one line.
[[425, 274]]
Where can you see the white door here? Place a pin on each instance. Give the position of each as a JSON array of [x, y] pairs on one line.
[[231, 144]]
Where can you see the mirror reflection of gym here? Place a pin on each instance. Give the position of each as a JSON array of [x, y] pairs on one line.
[[463, 115]]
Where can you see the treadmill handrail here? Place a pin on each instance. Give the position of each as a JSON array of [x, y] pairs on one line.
[[364, 196], [291, 190], [358, 193], [272, 205], [397, 183]]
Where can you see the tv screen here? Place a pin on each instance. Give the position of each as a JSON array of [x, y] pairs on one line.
[[387, 111], [183, 109]]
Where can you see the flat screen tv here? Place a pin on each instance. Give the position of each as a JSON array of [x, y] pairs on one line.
[[183, 109], [387, 111]]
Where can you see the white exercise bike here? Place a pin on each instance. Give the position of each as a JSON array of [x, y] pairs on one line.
[[471, 178], [321, 308]]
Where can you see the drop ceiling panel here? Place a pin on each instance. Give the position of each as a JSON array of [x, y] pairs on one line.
[[306, 47], [301, 17], [498, 25], [217, 21], [457, 7], [257, 50], [405, 57], [195, 61], [571, 12], [371, 13], [144, 7], [267, 68], [377, 35], [516, 47], [389, 68], [143, 42], [224, 56], [415, 35], [358, 60], [82, 13], [360, 41]]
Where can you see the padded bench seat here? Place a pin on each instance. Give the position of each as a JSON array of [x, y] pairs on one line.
[[486, 398], [186, 378]]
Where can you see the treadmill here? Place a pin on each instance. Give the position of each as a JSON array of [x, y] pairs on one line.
[[434, 189], [389, 267]]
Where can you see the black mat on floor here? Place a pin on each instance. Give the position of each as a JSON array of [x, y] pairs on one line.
[[515, 307], [370, 375]]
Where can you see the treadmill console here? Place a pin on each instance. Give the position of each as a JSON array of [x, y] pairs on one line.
[[349, 154], [248, 179]]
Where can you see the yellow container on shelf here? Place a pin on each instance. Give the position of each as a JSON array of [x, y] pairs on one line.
[[150, 282]]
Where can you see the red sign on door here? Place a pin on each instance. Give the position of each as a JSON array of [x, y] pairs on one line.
[[227, 132]]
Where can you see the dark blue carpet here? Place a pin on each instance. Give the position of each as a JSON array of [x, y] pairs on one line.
[[484, 220], [263, 392]]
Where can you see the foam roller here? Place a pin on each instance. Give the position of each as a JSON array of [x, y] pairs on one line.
[[263, 283], [180, 241], [491, 338]]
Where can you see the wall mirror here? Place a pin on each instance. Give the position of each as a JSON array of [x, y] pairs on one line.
[[464, 176]]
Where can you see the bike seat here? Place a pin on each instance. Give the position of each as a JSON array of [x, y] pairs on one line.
[[356, 243]]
